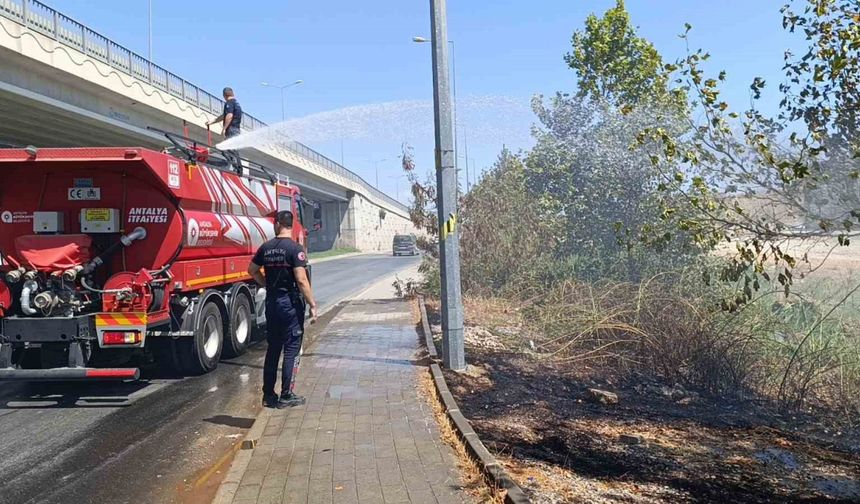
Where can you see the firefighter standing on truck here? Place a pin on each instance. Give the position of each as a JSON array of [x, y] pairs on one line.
[[231, 118], [288, 290], [231, 124]]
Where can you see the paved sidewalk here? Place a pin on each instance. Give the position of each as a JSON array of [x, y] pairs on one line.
[[365, 435]]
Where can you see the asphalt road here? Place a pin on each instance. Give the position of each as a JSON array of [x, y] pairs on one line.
[[156, 440]]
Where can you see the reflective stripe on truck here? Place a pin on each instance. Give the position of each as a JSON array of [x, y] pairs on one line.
[[121, 329]]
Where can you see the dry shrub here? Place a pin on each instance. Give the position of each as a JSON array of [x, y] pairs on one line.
[[644, 328], [492, 312], [670, 328], [501, 232]]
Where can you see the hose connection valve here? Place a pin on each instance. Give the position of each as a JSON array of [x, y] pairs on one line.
[[15, 276], [72, 273]]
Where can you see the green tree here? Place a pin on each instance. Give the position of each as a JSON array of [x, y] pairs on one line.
[[597, 191], [503, 234], [615, 65], [770, 185], [592, 192]]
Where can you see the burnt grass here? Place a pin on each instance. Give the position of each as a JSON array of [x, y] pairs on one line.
[[536, 412]]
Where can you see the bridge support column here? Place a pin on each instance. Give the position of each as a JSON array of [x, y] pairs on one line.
[[334, 214], [348, 226], [368, 227]]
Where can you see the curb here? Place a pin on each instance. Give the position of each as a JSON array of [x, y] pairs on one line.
[[428, 335], [230, 485], [491, 468], [347, 255]]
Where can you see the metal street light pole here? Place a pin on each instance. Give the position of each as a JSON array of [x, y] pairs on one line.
[[397, 183], [376, 169], [446, 182], [454, 114], [422, 40], [150, 30], [474, 179], [466, 156], [283, 95]]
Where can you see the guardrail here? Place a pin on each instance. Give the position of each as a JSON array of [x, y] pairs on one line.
[[43, 19], [335, 167]]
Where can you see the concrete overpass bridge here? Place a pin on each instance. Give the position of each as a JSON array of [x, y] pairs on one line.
[[64, 84]]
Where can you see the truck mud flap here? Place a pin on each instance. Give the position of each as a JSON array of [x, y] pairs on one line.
[[69, 374]]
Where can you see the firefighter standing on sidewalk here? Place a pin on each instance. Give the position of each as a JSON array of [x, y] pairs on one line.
[[288, 290]]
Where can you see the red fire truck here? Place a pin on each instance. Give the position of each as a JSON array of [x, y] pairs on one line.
[[115, 256]]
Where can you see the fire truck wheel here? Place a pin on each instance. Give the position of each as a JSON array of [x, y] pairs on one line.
[[200, 353], [237, 338]]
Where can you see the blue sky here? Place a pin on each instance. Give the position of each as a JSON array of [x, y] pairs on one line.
[[354, 53]]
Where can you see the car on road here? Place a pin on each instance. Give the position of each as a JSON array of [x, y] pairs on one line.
[[405, 245]]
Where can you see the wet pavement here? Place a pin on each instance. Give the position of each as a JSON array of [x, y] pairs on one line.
[[365, 435], [156, 440]]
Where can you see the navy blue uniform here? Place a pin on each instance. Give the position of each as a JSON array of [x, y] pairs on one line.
[[285, 309], [232, 106]]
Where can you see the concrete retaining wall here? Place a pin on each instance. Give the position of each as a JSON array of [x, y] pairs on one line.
[[368, 229]]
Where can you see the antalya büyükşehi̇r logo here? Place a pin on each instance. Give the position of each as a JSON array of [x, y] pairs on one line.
[[193, 232]]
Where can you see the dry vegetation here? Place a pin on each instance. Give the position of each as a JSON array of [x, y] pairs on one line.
[[473, 478], [757, 405], [636, 336], [659, 443]]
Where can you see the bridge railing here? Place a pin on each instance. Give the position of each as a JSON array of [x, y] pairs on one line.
[[43, 19]]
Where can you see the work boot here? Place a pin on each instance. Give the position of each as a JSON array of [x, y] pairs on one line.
[[271, 401], [288, 400]]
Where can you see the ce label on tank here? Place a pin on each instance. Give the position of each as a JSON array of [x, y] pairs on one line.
[[85, 193]]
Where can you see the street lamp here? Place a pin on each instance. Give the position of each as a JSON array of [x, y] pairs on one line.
[[453, 354], [376, 169], [150, 30], [423, 40], [283, 96], [397, 179]]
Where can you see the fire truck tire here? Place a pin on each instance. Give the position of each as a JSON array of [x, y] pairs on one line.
[[240, 325], [200, 353]]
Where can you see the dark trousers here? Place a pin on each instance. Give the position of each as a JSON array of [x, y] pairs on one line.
[[285, 320], [230, 133]]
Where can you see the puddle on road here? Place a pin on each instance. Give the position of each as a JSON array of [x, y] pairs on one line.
[[60, 401], [347, 392], [373, 318]]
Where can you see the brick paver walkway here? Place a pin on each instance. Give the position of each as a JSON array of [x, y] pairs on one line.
[[365, 435]]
